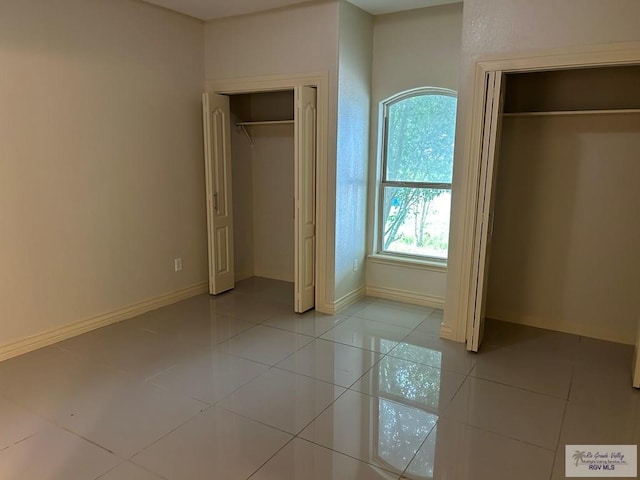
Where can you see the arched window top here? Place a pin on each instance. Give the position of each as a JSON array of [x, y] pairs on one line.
[[416, 92], [419, 135]]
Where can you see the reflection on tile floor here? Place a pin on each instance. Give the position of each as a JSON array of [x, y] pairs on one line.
[[238, 387]]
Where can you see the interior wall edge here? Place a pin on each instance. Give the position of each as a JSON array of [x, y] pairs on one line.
[[447, 333], [49, 337], [345, 301]]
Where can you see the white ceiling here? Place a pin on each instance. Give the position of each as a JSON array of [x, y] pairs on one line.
[[210, 9]]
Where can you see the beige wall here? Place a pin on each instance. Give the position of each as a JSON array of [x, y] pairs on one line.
[[101, 181], [565, 244], [411, 49], [493, 27], [297, 40], [354, 97]]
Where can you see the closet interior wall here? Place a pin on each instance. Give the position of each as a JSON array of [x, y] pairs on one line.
[[566, 232], [263, 186]]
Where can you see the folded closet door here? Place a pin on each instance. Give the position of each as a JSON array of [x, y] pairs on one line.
[[217, 154], [494, 102], [305, 215]]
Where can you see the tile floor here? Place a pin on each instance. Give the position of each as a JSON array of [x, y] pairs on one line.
[[238, 387]]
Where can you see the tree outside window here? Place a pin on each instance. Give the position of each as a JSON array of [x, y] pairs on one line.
[[417, 165]]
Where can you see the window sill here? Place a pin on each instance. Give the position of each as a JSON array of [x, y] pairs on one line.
[[433, 265]]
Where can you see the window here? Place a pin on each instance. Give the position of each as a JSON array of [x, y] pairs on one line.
[[417, 165]]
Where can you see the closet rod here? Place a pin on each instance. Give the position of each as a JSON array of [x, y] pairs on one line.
[[244, 125], [266, 122], [555, 113]]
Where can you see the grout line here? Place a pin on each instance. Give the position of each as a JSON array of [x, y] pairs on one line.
[[518, 388], [269, 459], [564, 416], [347, 455]]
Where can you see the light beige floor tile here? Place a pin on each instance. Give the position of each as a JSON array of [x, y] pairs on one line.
[[210, 376], [54, 454], [508, 411], [130, 471], [559, 467], [127, 418], [303, 460], [526, 370], [94, 385], [368, 334], [557, 345], [394, 377], [432, 323], [267, 288], [602, 354], [394, 313], [264, 344], [311, 323], [281, 399], [331, 362], [200, 331], [45, 381], [603, 386], [249, 308], [359, 305], [457, 451], [374, 430], [16, 424], [217, 442], [597, 425], [130, 350], [429, 350], [106, 407]]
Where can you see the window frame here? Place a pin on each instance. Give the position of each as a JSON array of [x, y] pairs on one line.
[[384, 183]]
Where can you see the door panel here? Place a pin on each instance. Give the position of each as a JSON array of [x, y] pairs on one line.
[[485, 208], [305, 212], [217, 150]]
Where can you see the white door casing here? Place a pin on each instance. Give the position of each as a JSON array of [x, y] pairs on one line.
[[636, 361], [305, 211], [217, 153], [485, 208]]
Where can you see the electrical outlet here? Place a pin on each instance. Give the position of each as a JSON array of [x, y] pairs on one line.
[[356, 264], [177, 264]]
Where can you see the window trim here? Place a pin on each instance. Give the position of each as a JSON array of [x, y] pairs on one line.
[[385, 105]]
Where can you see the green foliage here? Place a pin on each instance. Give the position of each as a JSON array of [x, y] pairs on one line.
[[419, 148]]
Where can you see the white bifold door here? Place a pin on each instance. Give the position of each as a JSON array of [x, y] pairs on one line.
[[305, 212], [217, 148], [493, 105], [217, 156]]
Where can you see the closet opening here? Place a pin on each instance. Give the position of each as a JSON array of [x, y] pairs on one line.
[[556, 228], [260, 150], [565, 230], [263, 185]]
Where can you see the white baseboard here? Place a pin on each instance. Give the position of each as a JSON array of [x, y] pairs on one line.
[[605, 333], [43, 339], [347, 300], [405, 296]]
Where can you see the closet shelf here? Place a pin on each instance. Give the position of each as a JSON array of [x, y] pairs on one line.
[[555, 113]]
